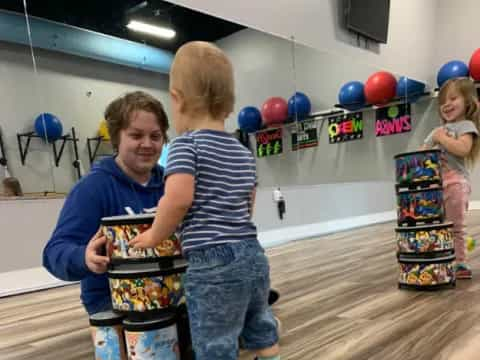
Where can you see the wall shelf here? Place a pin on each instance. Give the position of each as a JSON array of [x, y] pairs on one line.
[[93, 153], [23, 148]]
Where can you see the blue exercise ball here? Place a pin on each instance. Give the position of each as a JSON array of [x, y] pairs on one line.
[[299, 106], [48, 126], [249, 119], [450, 70], [352, 95], [409, 88]]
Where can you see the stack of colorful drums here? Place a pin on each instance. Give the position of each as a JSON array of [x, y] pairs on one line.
[[425, 246], [149, 318]]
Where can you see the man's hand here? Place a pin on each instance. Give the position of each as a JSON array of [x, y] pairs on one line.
[[94, 259]]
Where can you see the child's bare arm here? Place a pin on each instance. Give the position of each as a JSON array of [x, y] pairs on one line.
[[252, 201], [429, 142], [460, 147], [172, 208]]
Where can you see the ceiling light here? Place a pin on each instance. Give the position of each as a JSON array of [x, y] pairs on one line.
[[159, 31]]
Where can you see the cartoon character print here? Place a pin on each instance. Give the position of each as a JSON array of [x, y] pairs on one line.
[[147, 293], [132, 341], [119, 236], [418, 167], [168, 247], [425, 241], [426, 274], [416, 207], [111, 245], [154, 344], [107, 344]]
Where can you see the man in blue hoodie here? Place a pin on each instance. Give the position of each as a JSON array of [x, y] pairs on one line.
[[138, 126]]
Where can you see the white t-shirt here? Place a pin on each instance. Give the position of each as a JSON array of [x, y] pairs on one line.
[[454, 130]]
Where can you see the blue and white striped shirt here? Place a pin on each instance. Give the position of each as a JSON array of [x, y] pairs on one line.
[[225, 174]]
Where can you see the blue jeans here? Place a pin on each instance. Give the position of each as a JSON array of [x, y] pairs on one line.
[[227, 290]]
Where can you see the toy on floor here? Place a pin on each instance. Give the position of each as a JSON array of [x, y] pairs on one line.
[[425, 246], [471, 243], [427, 273]]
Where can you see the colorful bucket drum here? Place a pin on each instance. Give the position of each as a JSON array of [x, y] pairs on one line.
[[119, 230], [418, 168], [107, 334], [431, 240], [426, 273], [416, 207], [152, 339], [146, 290]]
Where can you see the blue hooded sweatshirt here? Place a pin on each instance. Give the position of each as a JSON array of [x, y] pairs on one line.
[[105, 191]]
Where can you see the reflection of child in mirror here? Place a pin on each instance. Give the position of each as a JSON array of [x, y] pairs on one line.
[[11, 187]]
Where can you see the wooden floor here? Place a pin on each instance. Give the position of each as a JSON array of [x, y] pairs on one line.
[[339, 301]]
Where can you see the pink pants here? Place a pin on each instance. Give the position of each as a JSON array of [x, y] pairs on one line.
[[456, 191]]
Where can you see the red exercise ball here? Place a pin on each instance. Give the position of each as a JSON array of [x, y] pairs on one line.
[[274, 111], [380, 88], [475, 65]]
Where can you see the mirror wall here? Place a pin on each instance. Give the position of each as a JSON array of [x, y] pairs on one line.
[[73, 67]]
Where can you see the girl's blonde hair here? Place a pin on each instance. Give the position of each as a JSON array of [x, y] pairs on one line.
[[466, 88]]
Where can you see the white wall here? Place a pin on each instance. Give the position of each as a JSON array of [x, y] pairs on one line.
[[26, 226], [457, 31], [60, 87], [312, 204], [263, 68], [345, 176], [316, 23]]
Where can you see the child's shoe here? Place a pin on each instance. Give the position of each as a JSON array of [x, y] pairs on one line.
[[279, 326], [463, 271], [273, 296]]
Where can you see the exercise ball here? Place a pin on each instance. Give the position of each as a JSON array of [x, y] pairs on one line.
[[103, 130], [249, 119], [299, 106], [274, 111], [474, 65], [450, 70], [380, 88], [351, 95], [48, 127], [410, 89]]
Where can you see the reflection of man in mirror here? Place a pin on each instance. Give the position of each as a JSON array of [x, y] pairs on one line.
[[11, 187]]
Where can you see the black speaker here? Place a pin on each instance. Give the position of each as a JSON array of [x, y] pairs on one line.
[[242, 136]]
